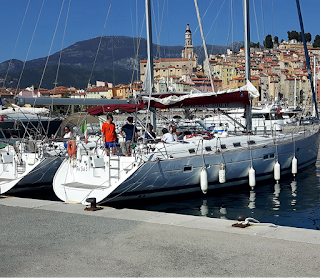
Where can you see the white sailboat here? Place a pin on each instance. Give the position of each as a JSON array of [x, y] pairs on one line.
[[160, 169], [28, 163]]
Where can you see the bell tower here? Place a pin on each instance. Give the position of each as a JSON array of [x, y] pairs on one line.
[[187, 51]]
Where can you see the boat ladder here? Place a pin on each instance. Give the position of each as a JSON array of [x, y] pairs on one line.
[[114, 166], [21, 167]]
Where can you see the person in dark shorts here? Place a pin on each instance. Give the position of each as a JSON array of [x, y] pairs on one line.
[[130, 134], [109, 135]]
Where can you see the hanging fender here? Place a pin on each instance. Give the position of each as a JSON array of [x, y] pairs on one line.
[[204, 180], [72, 148]]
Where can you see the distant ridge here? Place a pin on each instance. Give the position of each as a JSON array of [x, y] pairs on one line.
[[116, 62]]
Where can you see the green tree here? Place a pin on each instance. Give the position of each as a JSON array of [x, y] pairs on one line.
[[255, 45], [316, 42], [308, 37], [276, 40], [293, 35], [268, 42]]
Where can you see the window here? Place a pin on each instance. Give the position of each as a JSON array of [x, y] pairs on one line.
[[191, 150], [237, 144], [208, 148], [223, 146], [251, 142], [187, 168]]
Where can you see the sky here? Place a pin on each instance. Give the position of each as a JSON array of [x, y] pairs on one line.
[[33, 29]]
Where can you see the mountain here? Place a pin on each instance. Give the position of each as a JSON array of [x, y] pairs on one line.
[[117, 62]]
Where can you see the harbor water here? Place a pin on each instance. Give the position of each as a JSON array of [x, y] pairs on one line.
[[293, 202]]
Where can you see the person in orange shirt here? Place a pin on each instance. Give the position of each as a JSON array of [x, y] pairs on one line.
[[109, 135]]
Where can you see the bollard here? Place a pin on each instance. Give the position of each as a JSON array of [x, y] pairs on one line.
[[93, 202]]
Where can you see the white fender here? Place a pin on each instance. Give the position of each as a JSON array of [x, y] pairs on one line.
[[222, 173], [252, 177], [204, 180], [276, 171], [294, 166]]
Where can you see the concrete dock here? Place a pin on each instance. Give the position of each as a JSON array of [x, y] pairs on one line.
[[48, 238]]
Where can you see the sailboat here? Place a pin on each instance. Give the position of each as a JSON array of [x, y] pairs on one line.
[[192, 165]]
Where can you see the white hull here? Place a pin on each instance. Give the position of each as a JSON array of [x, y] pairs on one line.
[[25, 167], [175, 168]]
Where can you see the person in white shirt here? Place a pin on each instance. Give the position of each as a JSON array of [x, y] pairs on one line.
[[167, 137], [67, 133]]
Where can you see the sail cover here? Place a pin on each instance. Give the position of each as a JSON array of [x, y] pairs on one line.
[[101, 109], [230, 98], [24, 110]]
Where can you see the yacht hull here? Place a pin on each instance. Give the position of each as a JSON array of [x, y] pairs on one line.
[[170, 175]]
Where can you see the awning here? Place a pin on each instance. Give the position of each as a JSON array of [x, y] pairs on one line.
[[225, 99], [203, 100], [101, 109]]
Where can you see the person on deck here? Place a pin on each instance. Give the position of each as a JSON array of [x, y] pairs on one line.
[[109, 135], [167, 136], [150, 130], [173, 131], [130, 134], [67, 133]]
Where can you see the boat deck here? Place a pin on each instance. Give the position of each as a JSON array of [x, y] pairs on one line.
[[84, 186]]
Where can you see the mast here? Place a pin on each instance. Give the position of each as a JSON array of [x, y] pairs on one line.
[[149, 70], [307, 58], [204, 44], [247, 58]]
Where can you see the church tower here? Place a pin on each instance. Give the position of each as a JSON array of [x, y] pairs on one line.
[[187, 51]]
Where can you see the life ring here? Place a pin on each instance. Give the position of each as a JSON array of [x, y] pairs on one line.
[[190, 136], [72, 148]]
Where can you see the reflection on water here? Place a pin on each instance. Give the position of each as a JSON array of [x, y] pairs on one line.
[[292, 202]]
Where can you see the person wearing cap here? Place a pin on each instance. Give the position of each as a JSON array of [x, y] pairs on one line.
[[147, 135]]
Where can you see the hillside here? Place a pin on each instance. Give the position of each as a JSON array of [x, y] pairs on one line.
[[116, 62]]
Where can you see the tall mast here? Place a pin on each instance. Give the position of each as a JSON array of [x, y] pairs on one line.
[[149, 70], [307, 58], [149, 47], [247, 58]]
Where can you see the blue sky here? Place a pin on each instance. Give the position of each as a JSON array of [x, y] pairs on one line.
[[126, 18]]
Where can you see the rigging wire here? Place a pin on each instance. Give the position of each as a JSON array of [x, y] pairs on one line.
[[262, 16], [158, 32], [203, 16], [204, 44], [54, 35], [256, 20], [215, 18], [25, 61], [272, 16], [139, 37], [15, 46], [59, 62], [133, 39], [60, 55], [101, 37]]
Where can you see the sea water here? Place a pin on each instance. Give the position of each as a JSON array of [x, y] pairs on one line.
[[292, 202]]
